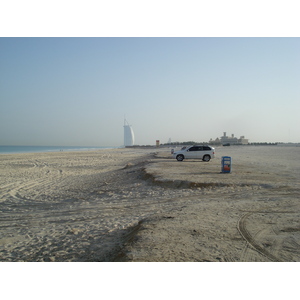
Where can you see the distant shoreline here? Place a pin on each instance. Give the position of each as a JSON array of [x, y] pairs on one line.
[[46, 149]]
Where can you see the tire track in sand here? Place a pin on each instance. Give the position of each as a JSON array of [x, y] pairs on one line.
[[251, 241]]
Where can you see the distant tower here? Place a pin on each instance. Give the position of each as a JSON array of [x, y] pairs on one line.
[[128, 134]]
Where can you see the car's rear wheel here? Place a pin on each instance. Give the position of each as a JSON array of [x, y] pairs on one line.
[[180, 157], [206, 158]]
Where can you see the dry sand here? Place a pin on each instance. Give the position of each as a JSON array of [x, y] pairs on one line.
[[141, 205]]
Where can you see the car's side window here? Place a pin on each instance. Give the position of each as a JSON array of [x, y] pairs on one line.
[[206, 148], [200, 148], [196, 148]]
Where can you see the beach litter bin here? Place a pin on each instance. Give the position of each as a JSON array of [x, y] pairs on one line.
[[226, 164]]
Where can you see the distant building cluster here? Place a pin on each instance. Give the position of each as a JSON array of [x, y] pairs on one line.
[[229, 140]]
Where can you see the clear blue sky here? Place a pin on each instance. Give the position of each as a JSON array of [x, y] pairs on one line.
[[76, 91]]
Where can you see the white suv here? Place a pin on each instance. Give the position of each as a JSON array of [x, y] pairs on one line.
[[203, 152]]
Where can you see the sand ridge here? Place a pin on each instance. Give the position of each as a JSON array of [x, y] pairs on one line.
[[251, 214]]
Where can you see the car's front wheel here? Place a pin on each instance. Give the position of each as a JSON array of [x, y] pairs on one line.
[[180, 157], [206, 158]]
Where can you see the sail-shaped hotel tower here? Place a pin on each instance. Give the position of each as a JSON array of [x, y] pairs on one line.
[[128, 134]]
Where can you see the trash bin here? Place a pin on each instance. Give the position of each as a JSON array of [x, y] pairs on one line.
[[226, 164]]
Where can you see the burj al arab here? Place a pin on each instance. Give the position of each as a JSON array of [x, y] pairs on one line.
[[128, 134]]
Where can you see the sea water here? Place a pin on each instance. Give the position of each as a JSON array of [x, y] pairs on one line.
[[38, 149]]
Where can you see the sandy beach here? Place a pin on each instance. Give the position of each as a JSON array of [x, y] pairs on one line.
[[141, 205]]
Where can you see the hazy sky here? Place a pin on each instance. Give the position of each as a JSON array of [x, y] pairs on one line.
[[76, 91]]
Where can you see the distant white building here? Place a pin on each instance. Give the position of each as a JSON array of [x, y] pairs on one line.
[[233, 140], [128, 134]]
